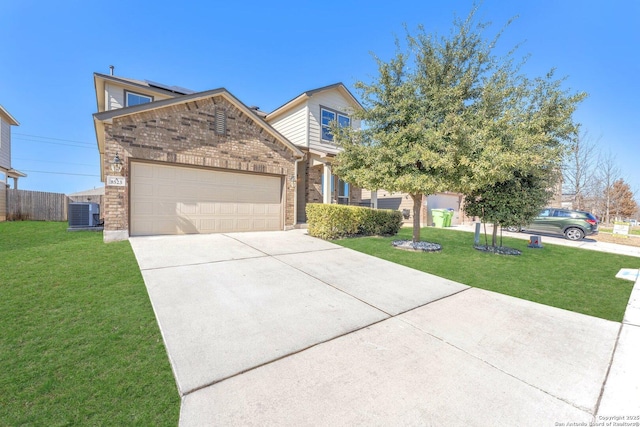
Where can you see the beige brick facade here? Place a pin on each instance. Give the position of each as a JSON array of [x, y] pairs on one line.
[[185, 134], [313, 191]]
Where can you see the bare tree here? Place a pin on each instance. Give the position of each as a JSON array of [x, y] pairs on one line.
[[608, 173], [579, 169]]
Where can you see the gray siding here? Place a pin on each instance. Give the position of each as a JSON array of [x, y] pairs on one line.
[[294, 126], [5, 144], [333, 100], [395, 201]]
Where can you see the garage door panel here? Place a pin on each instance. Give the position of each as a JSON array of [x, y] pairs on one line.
[[176, 200], [226, 225], [208, 225], [271, 224], [142, 208], [165, 208], [188, 192], [186, 174], [273, 209], [226, 209], [144, 171], [244, 208], [207, 208], [245, 224], [168, 173], [162, 226], [143, 189], [188, 208], [263, 196], [208, 192], [143, 227], [256, 209]]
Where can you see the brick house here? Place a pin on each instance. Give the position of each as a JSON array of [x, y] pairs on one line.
[[176, 161]]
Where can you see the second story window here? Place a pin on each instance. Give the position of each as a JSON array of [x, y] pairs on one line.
[[132, 98], [326, 117]]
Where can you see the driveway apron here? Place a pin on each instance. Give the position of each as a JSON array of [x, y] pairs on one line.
[[279, 328]]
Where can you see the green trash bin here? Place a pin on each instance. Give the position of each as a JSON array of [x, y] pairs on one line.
[[448, 215], [438, 216]]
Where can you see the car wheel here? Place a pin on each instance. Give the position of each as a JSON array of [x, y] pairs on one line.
[[513, 229], [574, 234]]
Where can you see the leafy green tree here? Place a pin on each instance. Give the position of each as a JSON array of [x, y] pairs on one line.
[[514, 202], [447, 114]]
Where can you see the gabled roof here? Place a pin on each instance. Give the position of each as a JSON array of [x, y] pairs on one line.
[[108, 116], [308, 94], [92, 192], [8, 117]]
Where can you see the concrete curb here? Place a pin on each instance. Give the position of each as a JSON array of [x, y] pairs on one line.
[[621, 389], [632, 313]]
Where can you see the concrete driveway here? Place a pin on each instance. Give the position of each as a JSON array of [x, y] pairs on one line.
[[279, 328]]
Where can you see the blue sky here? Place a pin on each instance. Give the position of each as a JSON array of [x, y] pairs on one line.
[[265, 53]]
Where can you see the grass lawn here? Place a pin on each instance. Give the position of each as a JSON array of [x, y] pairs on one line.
[[79, 344], [574, 279]]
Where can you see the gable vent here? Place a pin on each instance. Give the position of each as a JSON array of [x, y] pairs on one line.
[[221, 123]]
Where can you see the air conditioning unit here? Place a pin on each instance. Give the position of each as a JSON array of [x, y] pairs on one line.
[[84, 214]]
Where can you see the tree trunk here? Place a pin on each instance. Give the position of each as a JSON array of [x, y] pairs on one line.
[[494, 235], [417, 207]]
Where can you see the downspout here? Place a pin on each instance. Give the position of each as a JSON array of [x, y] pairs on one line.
[[295, 183]]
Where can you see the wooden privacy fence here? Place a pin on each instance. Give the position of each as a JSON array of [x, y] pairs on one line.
[[36, 205]]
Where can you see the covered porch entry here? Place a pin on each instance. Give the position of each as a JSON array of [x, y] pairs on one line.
[[316, 183]]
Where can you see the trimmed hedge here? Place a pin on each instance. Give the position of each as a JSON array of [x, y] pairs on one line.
[[337, 221]]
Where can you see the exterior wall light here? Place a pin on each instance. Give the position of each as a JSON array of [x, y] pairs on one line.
[[116, 165]]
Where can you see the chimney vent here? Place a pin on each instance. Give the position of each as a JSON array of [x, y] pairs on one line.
[[111, 68]]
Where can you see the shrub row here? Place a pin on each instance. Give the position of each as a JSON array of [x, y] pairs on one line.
[[337, 221]]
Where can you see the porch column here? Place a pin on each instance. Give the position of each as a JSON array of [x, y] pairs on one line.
[[326, 190], [374, 199]]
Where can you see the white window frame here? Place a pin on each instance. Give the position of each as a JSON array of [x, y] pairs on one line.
[[336, 116], [141, 95]]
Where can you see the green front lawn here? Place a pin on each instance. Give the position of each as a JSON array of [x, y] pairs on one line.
[[79, 344], [574, 279]]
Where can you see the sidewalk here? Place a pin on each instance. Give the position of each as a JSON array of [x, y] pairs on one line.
[[621, 390]]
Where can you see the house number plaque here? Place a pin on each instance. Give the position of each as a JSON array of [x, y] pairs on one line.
[[116, 181]]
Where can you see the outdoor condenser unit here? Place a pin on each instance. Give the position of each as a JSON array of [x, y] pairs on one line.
[[84, 214]]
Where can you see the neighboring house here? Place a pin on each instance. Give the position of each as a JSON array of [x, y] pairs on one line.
[[94, 195], [175, 161], [383, 199], [6, 171]]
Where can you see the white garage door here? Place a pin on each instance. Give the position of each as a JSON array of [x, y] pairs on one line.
[[182, 200]]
